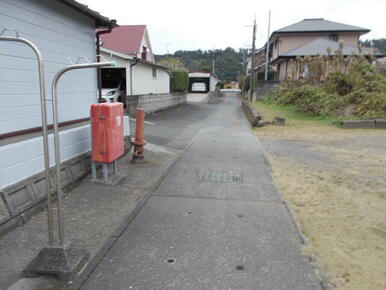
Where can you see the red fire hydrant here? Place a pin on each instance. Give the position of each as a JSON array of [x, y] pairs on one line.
[[139, 140]]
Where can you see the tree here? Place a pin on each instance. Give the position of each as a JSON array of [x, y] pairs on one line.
[[228, 62], [205, 68], [380, 44], [172, 64]]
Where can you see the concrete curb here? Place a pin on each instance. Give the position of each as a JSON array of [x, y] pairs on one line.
[[364, 124], [251, 114], [265, 155]]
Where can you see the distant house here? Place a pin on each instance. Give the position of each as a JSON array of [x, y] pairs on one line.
[[231, 85], [145, 83], [138, 76], [309, 37], [130, 46], [132, 40]]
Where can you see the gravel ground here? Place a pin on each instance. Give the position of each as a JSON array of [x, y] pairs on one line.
[[335, 181]]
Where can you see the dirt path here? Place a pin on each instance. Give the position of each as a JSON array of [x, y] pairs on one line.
[[335, 180]]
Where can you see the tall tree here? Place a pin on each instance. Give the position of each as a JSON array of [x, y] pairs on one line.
[[377, 43], [228, 62]]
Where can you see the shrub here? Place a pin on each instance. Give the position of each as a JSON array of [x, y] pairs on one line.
[[357, 85], [271, 75], [179, 81]]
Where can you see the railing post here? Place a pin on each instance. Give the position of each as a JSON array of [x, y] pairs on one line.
[[43, 109], [60, 260]]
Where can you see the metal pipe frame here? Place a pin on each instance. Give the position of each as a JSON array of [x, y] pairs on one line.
[[56, 136], [44, 126]]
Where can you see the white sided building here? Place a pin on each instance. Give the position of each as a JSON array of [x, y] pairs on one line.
[[140, 77], [202, 82], [61, 29]]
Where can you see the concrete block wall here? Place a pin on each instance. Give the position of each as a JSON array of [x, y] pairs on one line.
[[365, 124], [22, 187], [264, 87], [152, 103]]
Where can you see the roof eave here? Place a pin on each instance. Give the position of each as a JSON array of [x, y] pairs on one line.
[[100, 20], [140, 60], [362, 31]]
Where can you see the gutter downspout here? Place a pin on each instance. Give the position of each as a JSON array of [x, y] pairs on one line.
[[131, 75], [113, 24]]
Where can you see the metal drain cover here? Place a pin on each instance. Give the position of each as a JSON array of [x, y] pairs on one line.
[[219, 176]]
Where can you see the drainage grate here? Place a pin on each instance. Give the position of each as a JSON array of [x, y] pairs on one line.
[[225, 176]]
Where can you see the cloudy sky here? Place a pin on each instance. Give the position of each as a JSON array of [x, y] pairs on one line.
[[206, 24]]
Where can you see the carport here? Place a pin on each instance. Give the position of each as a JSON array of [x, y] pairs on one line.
[[113, 78], [208, 79]]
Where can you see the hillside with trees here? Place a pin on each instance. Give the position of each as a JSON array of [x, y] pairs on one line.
[[380, 44], [228, 62]]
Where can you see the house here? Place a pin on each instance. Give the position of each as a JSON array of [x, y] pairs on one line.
[[132, 40], [311, 37], [289, 66], [231, 85], [202, 82], [145, 82], [139, 76], [259, 60], [61, 29]]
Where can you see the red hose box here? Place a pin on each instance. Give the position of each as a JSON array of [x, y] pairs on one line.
[[107, 132]]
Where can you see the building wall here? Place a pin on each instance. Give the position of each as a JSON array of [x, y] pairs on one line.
[[59, 32], [292, 41], [212, 83], [146, 42], [29, 159], [283, 70], [155, 102], [145, 83]]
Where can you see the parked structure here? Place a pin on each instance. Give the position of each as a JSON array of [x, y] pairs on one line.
[[145, 83], [309, 37], [61, 29], [202, 82], [139, 76]]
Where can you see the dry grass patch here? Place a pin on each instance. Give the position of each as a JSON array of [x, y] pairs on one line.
[[342, 209]]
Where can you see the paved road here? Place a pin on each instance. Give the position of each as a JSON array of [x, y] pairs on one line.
[[215, 222]]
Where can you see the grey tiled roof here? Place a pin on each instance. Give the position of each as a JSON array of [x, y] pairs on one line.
[[320, 45], [319, 24], [101, 21]]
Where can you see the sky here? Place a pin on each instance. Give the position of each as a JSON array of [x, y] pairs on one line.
[[205, 24]]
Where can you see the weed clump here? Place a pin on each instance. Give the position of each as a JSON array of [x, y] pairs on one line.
[[353, 87]]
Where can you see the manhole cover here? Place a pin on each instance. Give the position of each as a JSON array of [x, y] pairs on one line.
[[220, 176]]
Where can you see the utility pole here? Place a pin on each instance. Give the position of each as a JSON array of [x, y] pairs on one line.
[[213, 60], [244, 67], [252, 81], [267, 48]]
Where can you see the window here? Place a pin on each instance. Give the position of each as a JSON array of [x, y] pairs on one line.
[[144, 53], [154, 72], [333, 37], [270, 51]]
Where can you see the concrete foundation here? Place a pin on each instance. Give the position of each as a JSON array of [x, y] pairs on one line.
[[152, 103]]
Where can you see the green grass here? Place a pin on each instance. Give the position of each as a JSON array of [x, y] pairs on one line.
[[292, 113]]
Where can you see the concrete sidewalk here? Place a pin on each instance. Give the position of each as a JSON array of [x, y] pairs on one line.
[[215, 222], [95, 215]]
